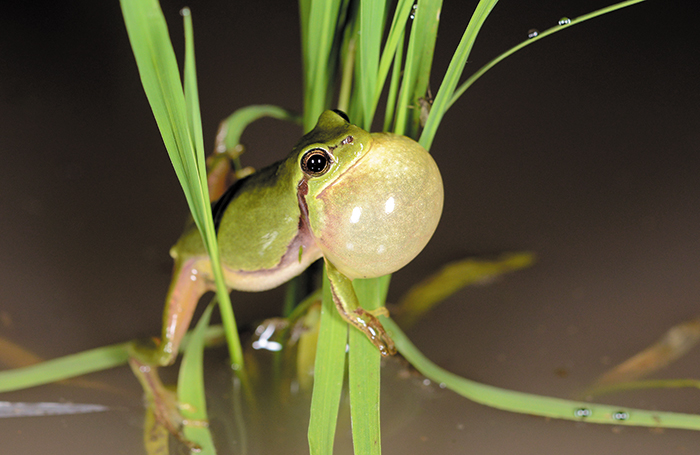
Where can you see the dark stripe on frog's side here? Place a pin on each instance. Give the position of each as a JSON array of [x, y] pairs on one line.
[[219, 207]]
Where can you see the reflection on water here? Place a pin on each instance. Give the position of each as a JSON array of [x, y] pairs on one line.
[[418, 416], [278, 422]]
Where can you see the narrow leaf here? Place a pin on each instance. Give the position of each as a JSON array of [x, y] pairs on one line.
[[65, 367], [550, 31], [190, 388], [371, 31], [180, 125], [364, 370], [526, 403], [454, 71], [419, 59], [328, 375], [318, 40]]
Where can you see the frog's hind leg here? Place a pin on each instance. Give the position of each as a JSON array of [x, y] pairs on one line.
[[161, 401], [190, 282]]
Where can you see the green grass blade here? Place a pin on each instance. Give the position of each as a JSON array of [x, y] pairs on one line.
[[190, 388], [419, 59], [364, 363], [370, 40], [178, 118], [329, 371], [205, 221], [526, 403], [348, 67], [65, 367], [454, 71], [317, 39], [85, 362], [364, 369], [427, 22], [550, 31], [394, 86], [393, 51], [148, 34], [304, 13], [192, 97]]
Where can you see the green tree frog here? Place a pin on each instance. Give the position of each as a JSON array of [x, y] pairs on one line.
[[365, 203]]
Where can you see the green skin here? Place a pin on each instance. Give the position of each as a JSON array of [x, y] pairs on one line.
[[342, 194]]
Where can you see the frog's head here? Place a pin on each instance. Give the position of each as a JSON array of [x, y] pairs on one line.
[[331, 148], [372, 200]]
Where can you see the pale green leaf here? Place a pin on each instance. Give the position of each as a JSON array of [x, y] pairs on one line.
[[328, 376]]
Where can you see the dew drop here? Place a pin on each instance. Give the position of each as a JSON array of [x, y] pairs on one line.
[[413, 11], [533, 32], [620, 415], [564, 21], [583, 412]]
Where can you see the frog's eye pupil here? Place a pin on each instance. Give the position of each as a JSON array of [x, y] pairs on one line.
[[316, 162]]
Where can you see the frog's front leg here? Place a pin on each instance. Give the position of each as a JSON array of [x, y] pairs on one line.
[[349, 308]]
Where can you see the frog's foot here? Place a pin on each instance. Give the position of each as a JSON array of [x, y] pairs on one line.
[[161, 401], [370, 326]]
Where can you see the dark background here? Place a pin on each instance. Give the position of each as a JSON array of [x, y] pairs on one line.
[[583, 148]]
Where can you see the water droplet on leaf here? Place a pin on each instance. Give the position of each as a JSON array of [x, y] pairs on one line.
[[533, 32], [564, 21], [621, 415], [583, 412], [413, 11]]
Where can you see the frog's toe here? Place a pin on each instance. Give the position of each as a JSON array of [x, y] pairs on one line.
[[374, 330]]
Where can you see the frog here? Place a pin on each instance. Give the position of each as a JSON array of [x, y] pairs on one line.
[[365, 203]]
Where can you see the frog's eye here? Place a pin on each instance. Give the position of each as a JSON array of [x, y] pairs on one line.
[[316, 162]]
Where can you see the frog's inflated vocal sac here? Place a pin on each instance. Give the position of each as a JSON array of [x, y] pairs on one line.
[[366, 203]]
